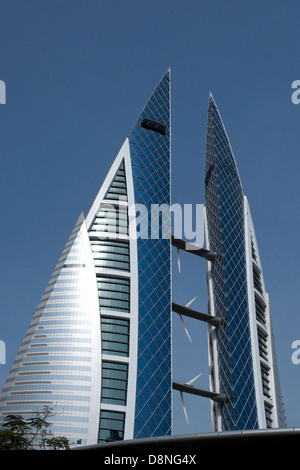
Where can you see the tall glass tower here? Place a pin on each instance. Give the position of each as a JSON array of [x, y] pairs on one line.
[[241, 349], [98, 347]]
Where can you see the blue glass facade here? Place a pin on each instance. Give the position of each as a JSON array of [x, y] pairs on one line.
[[150, 158], [226, 232]]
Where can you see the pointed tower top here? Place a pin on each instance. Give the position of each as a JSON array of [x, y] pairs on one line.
[[149, 143], [155, 115], [219, 150], [211, 101]]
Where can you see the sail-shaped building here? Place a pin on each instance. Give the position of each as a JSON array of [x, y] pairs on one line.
[[98, 348], [243, 364]]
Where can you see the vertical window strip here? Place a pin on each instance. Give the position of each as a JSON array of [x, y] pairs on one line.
[[268, 413], [262, 345], [257, 280], [265, 380], [260, 311], [118, 187]]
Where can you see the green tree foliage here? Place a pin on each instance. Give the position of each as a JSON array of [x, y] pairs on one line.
[[17, 433]]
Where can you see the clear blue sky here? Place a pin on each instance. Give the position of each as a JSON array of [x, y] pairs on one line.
[[78, 74]]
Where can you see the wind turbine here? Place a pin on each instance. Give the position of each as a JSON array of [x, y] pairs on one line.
[[189, 384], [178, 259], [182, 321]]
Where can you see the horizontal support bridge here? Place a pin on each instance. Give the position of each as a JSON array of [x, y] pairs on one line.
[[217, 397], [188, 312], [193, 249]]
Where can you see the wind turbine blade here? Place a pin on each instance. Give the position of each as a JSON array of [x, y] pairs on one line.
[[190, 302], [184, 407], [185, 328], [193, 380], [178, 259]]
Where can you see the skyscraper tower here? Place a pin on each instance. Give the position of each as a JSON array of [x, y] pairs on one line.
[[241, 349], [98, 347]]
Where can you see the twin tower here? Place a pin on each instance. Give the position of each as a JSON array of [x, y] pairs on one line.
[[99, 346]]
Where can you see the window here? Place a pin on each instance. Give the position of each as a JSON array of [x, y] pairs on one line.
[[114, 383], [262, 344], [118, 188], [268, 412], [74, 265], [257, 279], [111, 254], [114, 293], [265, 380], [254, 256], [115, 336], [111, 426], [154, 126], [260, 310]]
